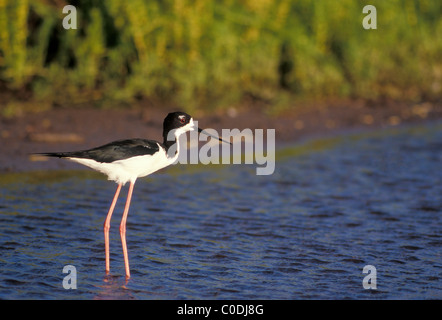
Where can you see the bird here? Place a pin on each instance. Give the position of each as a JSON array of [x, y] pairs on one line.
[[127, 160]]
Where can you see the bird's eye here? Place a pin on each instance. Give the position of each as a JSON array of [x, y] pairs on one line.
[[183, 119]]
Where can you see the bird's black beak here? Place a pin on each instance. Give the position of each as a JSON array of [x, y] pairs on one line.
[[208, 134]]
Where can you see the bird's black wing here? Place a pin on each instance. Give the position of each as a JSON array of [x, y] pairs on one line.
[[117, 150]]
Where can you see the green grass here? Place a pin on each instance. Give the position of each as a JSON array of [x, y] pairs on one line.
[[215, 54]]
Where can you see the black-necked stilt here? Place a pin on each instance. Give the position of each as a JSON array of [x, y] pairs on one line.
[[126, 160]]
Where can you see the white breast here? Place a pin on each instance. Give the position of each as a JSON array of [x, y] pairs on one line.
[[122, 171]]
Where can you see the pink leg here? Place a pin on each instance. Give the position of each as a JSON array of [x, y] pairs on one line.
[[107, 227], [123, 230]]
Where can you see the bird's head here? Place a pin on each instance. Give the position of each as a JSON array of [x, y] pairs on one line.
[[179, 123]]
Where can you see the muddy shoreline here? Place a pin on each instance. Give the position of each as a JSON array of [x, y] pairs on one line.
[[64, 129]]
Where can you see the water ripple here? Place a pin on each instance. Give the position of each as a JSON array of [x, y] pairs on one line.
[[305, 232]]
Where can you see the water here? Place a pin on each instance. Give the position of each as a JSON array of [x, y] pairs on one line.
[[306, 232]]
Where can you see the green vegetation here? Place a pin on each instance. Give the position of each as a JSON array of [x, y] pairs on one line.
[[213, 53]]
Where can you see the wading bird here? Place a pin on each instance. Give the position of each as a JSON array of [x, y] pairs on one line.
[[126, 160]]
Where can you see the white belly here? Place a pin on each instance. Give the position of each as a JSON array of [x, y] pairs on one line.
[[122, 171]]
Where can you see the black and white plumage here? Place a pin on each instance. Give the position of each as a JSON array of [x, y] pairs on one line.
[[127, 160]]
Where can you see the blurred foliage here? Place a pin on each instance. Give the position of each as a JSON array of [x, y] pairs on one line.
[[213, 53]]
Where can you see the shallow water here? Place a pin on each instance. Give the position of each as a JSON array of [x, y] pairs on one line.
[[221, 232]]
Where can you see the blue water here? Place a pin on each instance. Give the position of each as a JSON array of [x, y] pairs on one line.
[[332, 207]]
